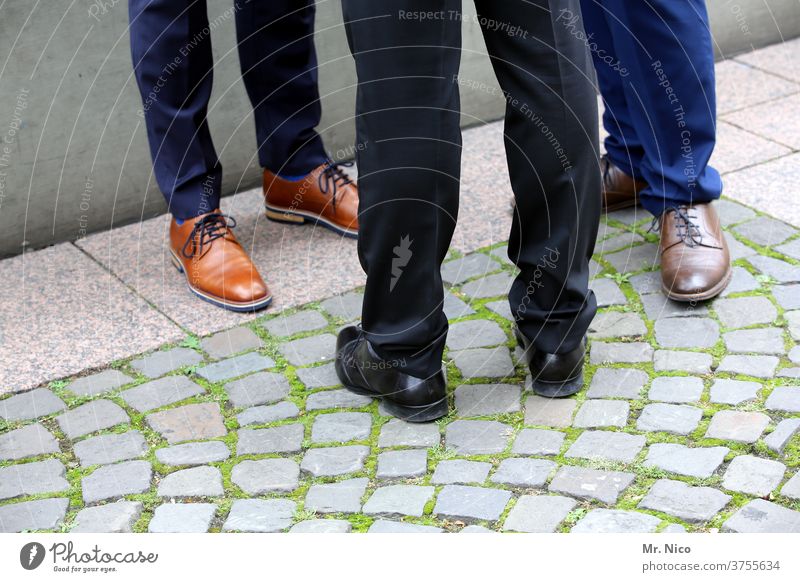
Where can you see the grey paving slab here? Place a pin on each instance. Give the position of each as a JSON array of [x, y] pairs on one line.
[[787, 296], [673, 418], [91, 417], [195, 482], [606, 445], [487, 399], [182, 518], [586, 483], [406, 464], [635, 259], [729, 155], [454, 307], [30, 405], [28, 441], [112, 481], [341, 427], [117, 517], [616, 521], [524, 472], [484, 362], [287, 438], [230, 342], [740, 282], [733, 392], [490, 286], [756, 366], [475, 333], [40, 514], [300, 322], [676, 389], [346, 307], [235, 367], [260, 515], [783, 433], [773, 120], [686, 332], [318, 376], [646, 283], [48, 476], [398, 433], [781, 271], [617, 383], [537, 441], [256, 389], [460, 471], [614, 324], [193, 453], [778, 59], [538, 513], [602, 413], [341, 497], [99, 383], [786, 398], [267, 414], [457, 271], [111, 448], [745, 311], [731, 212], [761, 516], [466, 503], [659, 306], [765, 231], [549, 411], [267, 475], [398, 500], [341, 398], [163, 362], [161, 392], [740, 86], [333, 461], [737, 425], [477, 437], [767, 340], [753, 475], [607, 292], [309, 350], [698, 462], [188, 423], [686, 502], [620, 353], [791, 488], [677, 361]]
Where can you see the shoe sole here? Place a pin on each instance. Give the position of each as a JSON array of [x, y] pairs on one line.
[[230, 306], [298, 218], [425, 413], [694, 297], [621, 205], [553, 389]]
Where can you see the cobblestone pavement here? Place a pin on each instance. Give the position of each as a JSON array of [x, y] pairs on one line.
[[688, 420]]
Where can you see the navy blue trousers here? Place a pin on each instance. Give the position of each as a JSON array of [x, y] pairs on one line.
[[173, 64], [655, 69]]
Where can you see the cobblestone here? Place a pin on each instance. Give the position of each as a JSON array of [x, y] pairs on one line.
[[676, 498], [261, 388], [164, 362], [30, 405], [538, 513], [466, 503]]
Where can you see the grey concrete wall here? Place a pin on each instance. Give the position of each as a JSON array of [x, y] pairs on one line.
[[73, 151]]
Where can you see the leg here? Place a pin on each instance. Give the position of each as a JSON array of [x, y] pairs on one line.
[[279, 69], [175, 84], [551, 146], [409, 168]]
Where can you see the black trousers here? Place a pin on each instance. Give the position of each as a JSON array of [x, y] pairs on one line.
[[407, 55]]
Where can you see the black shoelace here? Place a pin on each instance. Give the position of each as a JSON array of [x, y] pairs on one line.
[[206, 230], [333, 178], [688, 232]]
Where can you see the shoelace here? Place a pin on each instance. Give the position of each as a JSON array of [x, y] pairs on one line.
[[208, 229], [688, 232], [332, 178], [606, 168]]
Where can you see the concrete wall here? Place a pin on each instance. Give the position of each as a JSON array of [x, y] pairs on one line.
[[73, 151]]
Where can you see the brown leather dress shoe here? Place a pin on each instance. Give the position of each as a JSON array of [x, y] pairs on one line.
[[216, 266], [619, 189], [327, 196], [695, 262]]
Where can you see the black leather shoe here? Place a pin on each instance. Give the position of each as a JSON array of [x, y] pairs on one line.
[[554, 375], [362, 371]]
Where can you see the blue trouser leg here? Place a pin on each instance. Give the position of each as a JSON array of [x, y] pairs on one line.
[[655, 69], [279, 68]]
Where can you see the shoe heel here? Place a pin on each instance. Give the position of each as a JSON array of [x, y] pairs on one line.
[[284, 217]]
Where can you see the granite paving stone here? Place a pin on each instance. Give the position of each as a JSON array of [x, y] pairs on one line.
[[676, 389], [33, 478], [607, 292], [606, 445], [659, 306], [586, 483], [302, 321], [484, 362], [28, 441], [620, 353], [756, 366], [332, 461], [99, 383], [740, 282], [265, 476], [538, 513], [756, 341], [454, 307], [477, 437], [195, 482], [457, 271], [673, 418], [787, 296], [634, 259], [408, 464], [737, 425], [161, 392], [555, 412], [765, 231], [602, 413], [309, 350], [188, 423], [475, 333], [687, 332], [316, 526], [341, 398], [318, 376], [267, 414], [388, 526], [731, 212], [341, 427], [91, 417], [398, 433], [733, 392], [778, 439], [260, 515], [790, 249], [163, 362], [229, 342], [616, 521], [794, 354], [487, 399], [762, 516], [464, 502], [40, 514], [538, 441], [617, 383], [524, 472], [460, 471], [781, 271], [793, 321], [260, 388], [789, 372], [30, 405], [686, 502], [110, 448], [745, 311], [193, 454], [612, 324], [235, 367], [287, 438], [182, 518], [676, 361], [341, 497], [786, 398], [791, 488], [117, 517], [617, 242], [346, 307], [112, 481], [398, 500], [646, 283], [489, 286], [698, 462], [753, 475]]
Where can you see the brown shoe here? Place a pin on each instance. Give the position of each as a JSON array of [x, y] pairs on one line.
[[216, 266], [695, 262], [326, 197], [619, 189]]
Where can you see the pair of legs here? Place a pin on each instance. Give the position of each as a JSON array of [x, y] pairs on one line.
[[407, 55]]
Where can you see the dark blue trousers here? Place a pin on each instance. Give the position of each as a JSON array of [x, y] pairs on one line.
[[655, 69], [173, 63]]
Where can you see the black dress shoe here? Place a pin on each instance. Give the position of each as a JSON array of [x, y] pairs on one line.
[[362, 371], [554, 375]]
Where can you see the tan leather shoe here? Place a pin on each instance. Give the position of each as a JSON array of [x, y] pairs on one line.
[[695, 261], [619, 189], [327, 196], [216, 266]]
